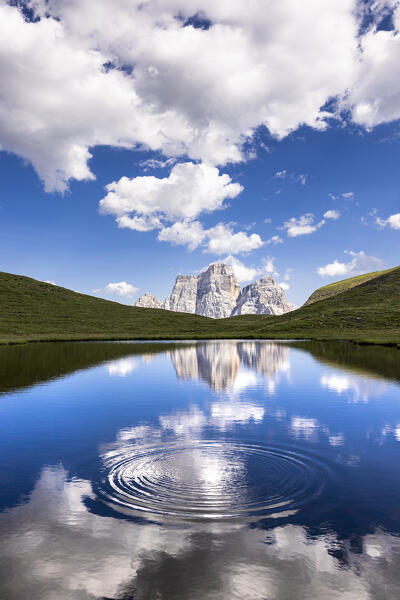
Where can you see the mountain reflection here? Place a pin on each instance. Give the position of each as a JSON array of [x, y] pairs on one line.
[[124, 560], [218, 363]]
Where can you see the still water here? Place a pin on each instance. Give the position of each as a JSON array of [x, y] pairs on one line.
[[193, 471]]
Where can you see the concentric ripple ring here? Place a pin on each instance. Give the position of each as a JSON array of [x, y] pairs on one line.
[[207, 480]]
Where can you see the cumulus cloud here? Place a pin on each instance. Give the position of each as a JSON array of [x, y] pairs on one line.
[[374, 96], [190, 233], [120, 288], [86, 73], [189, 190], [147, 202], [222, 240], [303, 225], [393, 221], [284, 285], [359, 263], [131, 74], [332, 214]]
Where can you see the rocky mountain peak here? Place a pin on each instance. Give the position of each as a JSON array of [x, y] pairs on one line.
[[263, 296], [217, 290], [216, 293], [184, 295], [149, 301]]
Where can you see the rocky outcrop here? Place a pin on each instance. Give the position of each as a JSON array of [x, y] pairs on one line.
[[213, 293], [149, 301], [263, 297], [184, 295], [217, 291]]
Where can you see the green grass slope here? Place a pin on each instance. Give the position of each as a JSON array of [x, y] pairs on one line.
[[369, 312], [338, 287], [32, 310]]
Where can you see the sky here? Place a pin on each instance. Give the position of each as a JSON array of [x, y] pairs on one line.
[[142, 139]]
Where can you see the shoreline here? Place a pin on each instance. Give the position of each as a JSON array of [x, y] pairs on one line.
[[124, 338]]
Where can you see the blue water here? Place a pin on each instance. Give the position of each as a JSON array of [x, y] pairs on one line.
[[216, 470]]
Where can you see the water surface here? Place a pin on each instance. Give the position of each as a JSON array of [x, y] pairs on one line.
[[210, 470]]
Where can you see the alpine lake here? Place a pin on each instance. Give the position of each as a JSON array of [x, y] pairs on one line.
[[217, 470]]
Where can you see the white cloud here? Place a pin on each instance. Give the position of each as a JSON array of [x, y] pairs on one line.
[[50, 281], [302, 178], [194, 92], [374, 96], [280, 174], [243, 273], [393, 221], [222, 240], [360, 263], [348, 195], [332, 214], [189, 190], [153, 163], [287, 274], [269, 266], [285, 286], [181, 90], [121, 288], [275, 239], [190, 233], [303, 225]]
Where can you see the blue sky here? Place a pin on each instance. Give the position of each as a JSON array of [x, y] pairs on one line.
[[307, 196]]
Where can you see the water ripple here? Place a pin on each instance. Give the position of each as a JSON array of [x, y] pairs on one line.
[[211, 480]]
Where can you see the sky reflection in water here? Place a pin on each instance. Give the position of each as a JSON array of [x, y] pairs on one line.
[[213, 470]]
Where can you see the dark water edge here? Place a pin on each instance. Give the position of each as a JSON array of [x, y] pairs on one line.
[[32, 363], [205, 470]]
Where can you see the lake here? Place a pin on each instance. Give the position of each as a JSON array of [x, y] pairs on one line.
[[220, 470]]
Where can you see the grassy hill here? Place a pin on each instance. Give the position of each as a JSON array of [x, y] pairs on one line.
[[341, 286], [33, 310]]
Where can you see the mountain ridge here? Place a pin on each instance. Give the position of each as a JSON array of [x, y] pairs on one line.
[[216, 293]]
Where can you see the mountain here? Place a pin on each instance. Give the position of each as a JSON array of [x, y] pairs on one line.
[[149, 301], [216, 293], [213, 293], [263, 297], [184, 295]]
